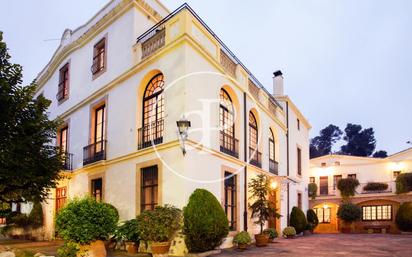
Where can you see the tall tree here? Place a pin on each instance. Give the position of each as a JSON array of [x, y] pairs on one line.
[[322, 144], [380, 154], [29, 163], [359, 142]]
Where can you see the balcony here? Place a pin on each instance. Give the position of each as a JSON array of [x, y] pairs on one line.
[[151, 134], [273, 167], [229, 145], [68, 161], [94, 152], [153, 41], [255, 157]]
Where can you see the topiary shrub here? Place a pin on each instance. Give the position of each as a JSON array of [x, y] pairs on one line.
[[404, 183], [242, 238], [289, 232], [160, 224], [349, 212], [404, 217], [312, 218], [298, 220], [312, 190], [36, 215], [375, 186], [85, 220], [205, 222], [347, 187]]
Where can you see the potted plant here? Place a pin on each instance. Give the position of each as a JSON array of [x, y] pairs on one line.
[[242, 240], [404, 183], [272, 234], [128, 232], [348, 213], [403, 218], [289, 232], [159, 227], [347, 187], [375, 186], [312, 219], [312, 190], [298, 220], [87, 222], [262, 209]]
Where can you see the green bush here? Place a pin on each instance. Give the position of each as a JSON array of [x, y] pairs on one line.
[[159, 225], [404, 217], [347, 187], [404, 183], [349, 212], [375, 186], [298, 220], [312, 190], [205, 222], [242, 238], [312, 219], [271, 232], [289, 231], [69, 249], [17, 219], [36, 216], [85, 220], [128, 231]]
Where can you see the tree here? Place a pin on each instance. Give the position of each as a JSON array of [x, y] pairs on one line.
[[380, 154], [359, 142], [29, 163], [322, 144]]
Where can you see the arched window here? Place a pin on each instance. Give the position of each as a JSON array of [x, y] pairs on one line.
[[254, 154], [228, 143], [272, 153], [153, 112]]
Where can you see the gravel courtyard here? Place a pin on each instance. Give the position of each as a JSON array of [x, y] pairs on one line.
[[333, 245]]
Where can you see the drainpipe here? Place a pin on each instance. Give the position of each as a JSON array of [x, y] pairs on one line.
[[245, 159], [287, 157]]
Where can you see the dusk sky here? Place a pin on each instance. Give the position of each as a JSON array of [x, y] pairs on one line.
[[343, 60]]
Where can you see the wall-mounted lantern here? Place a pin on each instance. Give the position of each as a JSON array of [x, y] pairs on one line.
[[183, 126]]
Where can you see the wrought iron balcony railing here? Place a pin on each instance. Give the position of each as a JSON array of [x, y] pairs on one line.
[[62, 91], [151, 134], [98, 63], [68, 161], [94, 152], [255, 157], [229, 145], [273, 167]]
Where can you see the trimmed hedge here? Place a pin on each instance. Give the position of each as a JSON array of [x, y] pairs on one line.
[[312, 219], [349, 212], [85, 220], [404, 183], [298, 220], [205, 222], [347, 187], [375, 186], [404, 217]]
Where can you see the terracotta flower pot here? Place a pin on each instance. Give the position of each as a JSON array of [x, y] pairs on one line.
[[242, 246], [131, 247], [271, 240], [290, 237], [160, 247], [261, 239], [95, 249]]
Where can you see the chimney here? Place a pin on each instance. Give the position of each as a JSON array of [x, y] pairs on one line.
[[278, 83]]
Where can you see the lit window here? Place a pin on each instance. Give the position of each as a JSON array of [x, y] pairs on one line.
[[323, 214], [376, 212]]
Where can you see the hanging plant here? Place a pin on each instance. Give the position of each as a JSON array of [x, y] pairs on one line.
[[312, 190], [347, 187]]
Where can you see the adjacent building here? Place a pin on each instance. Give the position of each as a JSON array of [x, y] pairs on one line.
[[128, 82], [379, 204]]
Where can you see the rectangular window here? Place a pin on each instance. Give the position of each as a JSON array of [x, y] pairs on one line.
[[149, 188], [352, 176], [323, 185], [336, 179], [99, 129], [61, 196], [63, 139], [396, 174], [323, 214], [231, 199], [376, 212], [299, 161], [300, 201], [312, 180], [298, 123], [63, 88], [99, 57], [97, 189], [323, 164]]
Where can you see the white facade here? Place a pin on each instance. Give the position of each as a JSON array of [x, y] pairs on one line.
[[190, 60]]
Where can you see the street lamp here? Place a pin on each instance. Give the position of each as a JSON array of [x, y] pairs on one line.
[[183, 125]]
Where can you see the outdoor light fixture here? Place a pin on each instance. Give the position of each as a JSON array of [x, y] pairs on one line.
[[273, 185], [183, 125]]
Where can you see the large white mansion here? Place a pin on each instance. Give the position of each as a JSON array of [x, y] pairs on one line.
[[122, 81]]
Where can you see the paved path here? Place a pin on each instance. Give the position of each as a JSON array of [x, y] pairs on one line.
[[333, 245]]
